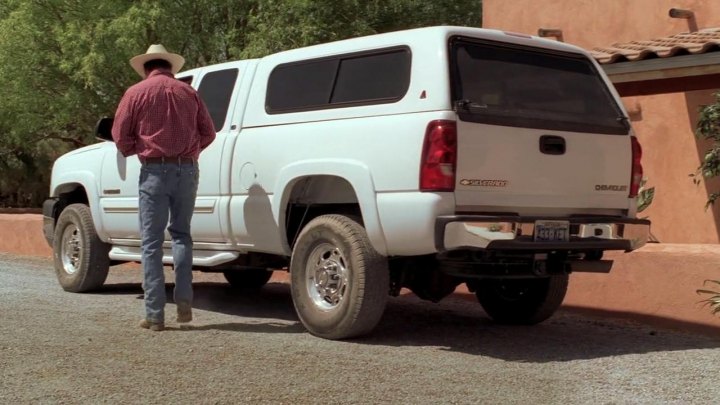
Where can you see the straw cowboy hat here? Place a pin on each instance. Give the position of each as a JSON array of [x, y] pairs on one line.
[[157, 51]]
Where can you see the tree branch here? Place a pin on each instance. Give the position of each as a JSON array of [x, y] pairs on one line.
[[75, 142]]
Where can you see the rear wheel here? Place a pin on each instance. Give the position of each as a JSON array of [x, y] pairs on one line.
[[522, 301], [339, 282], [80, 257], [248, 279]]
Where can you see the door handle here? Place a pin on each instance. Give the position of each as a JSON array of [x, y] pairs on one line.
[[552, 145]]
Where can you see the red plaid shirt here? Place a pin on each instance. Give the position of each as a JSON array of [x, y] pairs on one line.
[[162, 117]]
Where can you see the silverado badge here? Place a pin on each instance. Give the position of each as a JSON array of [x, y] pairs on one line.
[[484, 183]]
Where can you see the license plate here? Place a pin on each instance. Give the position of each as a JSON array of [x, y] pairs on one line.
[[552, 231]]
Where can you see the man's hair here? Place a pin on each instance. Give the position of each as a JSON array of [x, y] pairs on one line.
[[157, 64]]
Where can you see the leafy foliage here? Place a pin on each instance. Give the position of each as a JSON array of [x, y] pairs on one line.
[[281, 25], [645, 196], [708, 127], [64, 63], [713, 301]]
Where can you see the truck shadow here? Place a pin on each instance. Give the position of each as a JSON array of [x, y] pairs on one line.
[[459, 325], [456, 324]]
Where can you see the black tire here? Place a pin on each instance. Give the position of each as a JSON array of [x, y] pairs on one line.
[[339, 282], [522, 301], [80, 257], [248, 279]]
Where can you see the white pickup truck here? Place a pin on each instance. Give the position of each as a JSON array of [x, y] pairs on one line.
[[418, 159]]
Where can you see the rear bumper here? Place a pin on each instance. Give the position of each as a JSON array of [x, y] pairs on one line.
[[49, 219], [515, 233]]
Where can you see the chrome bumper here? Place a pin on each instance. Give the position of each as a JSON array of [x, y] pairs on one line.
[[516, 233]]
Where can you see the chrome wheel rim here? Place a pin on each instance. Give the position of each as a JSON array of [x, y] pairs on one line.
[[327, 276], [71, 249]]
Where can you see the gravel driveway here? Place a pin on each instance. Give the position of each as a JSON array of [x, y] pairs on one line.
[[58, 347]]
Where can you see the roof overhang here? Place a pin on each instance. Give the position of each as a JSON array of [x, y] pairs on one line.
[[666, 75]]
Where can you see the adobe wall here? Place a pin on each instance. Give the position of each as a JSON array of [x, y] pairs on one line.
[[664, 123], [22, 234]]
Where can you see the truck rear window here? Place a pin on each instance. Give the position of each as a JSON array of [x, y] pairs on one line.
[[517, 86]]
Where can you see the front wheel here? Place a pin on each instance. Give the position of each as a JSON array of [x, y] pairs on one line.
[[522, 301], [339, 282], [80, 257]]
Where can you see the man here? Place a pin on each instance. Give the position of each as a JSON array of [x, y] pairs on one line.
[[165, 123]]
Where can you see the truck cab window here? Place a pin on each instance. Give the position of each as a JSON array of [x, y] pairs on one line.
[[216, 89]]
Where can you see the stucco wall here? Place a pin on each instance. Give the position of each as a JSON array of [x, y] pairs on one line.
[[664, 123], [590, 23], [22, 234]]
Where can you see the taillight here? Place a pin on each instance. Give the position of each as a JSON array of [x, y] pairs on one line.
[[637, 169], [439, 157]]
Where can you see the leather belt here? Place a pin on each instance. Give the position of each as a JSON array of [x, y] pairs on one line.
[[168, 159]]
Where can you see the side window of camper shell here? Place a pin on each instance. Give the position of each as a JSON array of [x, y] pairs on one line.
[[367, 78]]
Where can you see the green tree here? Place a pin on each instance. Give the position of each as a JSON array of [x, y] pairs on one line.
[[64, 63], [287, 24]]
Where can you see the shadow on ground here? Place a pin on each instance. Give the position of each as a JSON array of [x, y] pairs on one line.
[[262, 327], [272, 301], [455, 324]]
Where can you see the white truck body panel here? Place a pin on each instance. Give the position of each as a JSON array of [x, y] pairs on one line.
[[535, 181]]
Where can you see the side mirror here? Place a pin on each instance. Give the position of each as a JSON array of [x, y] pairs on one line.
[[103, 129]]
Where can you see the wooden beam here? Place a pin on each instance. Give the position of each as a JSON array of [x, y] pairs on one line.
[[663, 68], [670, 85]]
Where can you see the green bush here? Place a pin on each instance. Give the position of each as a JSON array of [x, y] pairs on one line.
[[708, 127], [713, 301], [645, 196]]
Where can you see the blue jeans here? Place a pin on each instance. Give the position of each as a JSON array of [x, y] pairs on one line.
[[166, 189]]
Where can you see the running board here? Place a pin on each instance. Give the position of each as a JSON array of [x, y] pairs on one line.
[[205, 258]]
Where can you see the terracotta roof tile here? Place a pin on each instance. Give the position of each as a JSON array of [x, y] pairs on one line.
[[707, 40]]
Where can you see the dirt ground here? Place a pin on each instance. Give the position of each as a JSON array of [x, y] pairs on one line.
[[58, 347]]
